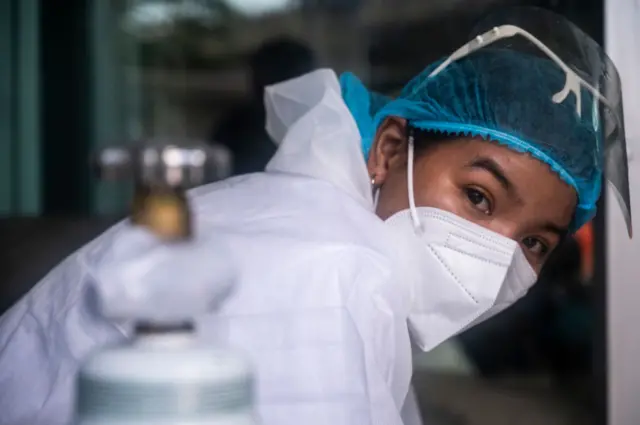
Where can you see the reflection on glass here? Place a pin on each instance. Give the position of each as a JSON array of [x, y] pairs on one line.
[[259, 7], [147, 18]]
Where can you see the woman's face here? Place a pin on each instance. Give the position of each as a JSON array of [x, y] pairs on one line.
[[507, 192]]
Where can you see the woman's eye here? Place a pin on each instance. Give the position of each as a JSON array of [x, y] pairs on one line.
[[535, 246], [479, 200]]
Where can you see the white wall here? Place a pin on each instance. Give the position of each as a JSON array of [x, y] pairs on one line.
[[622, 36]]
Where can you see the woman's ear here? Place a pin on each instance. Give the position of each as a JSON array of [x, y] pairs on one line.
[[389, 149]]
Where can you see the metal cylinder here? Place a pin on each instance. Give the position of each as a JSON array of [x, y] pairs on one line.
[[161, 174], [168, 165]]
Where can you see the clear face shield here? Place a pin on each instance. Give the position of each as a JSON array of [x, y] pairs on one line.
[[591, 87]]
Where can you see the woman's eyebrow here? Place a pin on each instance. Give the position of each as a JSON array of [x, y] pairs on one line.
[[492, 167], [561, 231]]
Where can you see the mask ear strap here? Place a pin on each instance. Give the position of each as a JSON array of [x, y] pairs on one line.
[[410, 159]]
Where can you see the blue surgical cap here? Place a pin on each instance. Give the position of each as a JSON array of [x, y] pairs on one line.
[[503, 96]]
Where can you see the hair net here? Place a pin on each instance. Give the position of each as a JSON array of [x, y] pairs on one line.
[[506, 96], [503, 96]]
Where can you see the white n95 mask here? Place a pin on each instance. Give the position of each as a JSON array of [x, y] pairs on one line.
[[459, 273]]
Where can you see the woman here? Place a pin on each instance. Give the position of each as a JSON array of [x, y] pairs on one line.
[[378, 219]]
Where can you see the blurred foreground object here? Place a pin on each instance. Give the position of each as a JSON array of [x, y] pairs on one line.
[[161, 174], [157, 275]]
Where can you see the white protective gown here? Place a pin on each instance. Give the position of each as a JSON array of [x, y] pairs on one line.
[[319, 305]]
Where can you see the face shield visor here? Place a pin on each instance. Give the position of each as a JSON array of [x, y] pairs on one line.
[[570, 79]]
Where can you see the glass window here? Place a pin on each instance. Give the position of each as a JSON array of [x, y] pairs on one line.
[[19, 108], [194, 70]]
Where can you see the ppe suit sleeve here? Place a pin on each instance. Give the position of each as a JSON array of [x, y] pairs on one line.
[[378, 307], [43, 340]]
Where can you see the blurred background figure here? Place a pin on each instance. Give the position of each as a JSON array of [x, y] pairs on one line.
[[243, 129]]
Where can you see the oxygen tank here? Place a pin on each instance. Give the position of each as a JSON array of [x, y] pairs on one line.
[[158, 276]]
